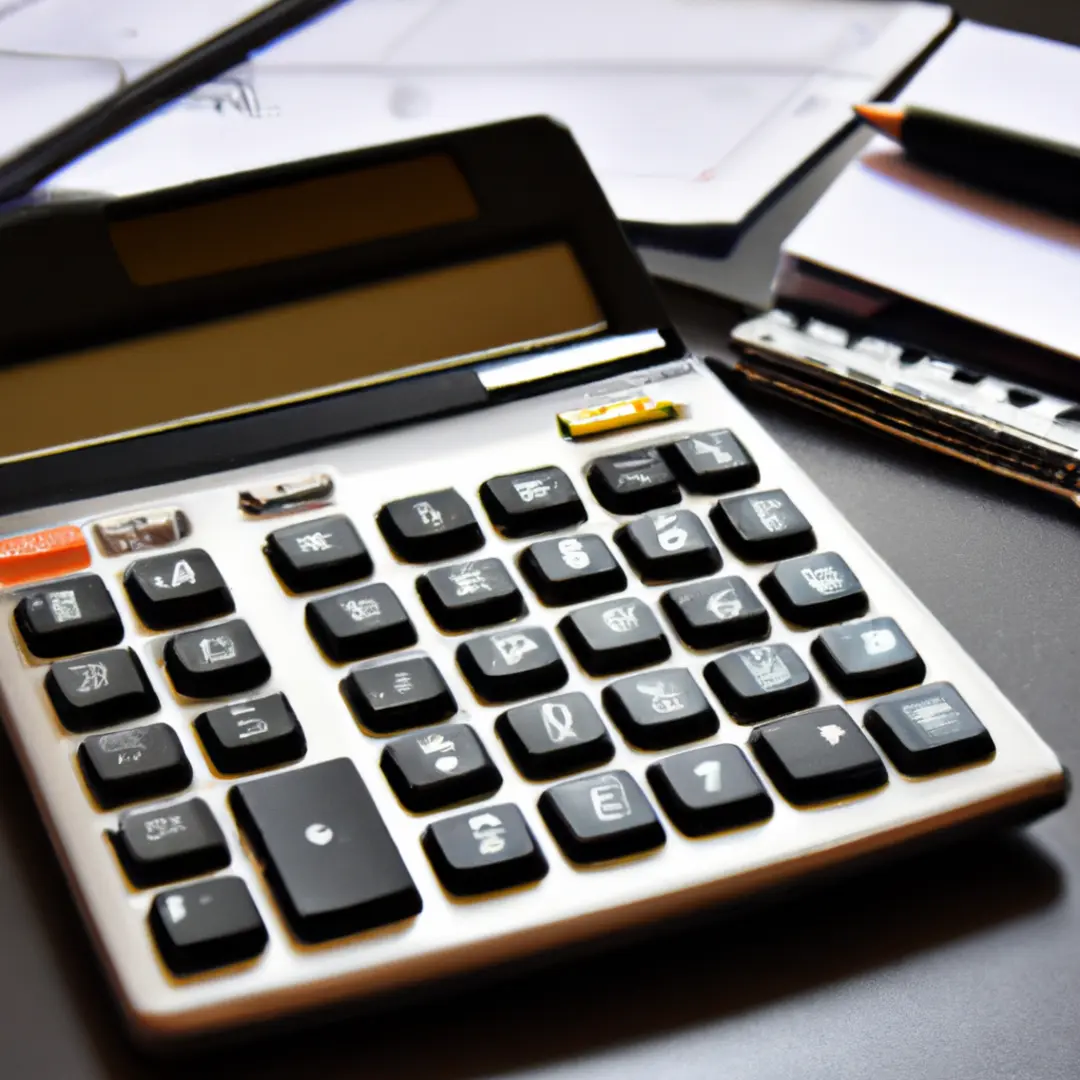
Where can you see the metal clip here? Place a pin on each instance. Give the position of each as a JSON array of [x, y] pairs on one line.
[[135, 532], [287, 496]]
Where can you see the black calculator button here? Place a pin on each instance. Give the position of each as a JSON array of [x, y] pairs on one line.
[[571, 569], [527, 503], [815, 589], [207, 925], [762, 526], [929, 729], [512, 664], [252, 734], [633, 482], [601, 817], [869, 657], [615, 636], [424, 528], [359, 623], [761, 682], [818, 755], [471, 594], [176, 589], [100, 689], [399, 695], [328, 856], [708, 614], [318, 554], [709, 789], [712, 463], [434, 769], [139, 763], [659, 709], [668, 545], [555, 737], [216, 660], [67, 617], [487, 849], [170, 843]]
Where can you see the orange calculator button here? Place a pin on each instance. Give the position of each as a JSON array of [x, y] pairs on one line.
[[44, 554]]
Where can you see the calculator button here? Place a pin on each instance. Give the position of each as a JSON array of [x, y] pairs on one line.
[[815, 590], [869, 657], [818, 755], [633, 482], [145, 529], [659, 709], [399, 695], [207, 925], [601, 817], [439, 768], [359, 623], [527, 503], [668, 545], [68, 617], [709, 614], [216, 660], [329, 858], [44, 554], [173, 590], [318, 554], [471, 594], [487, 849], [762, 526], [512, 664], [139, 763], [551, 738], [929, 729], [709, 789], [761, 682], [170, 843], [571, 569], [287, 496], [615, 636], [438, 525], [252, 734], [100, 689], [712, 463]]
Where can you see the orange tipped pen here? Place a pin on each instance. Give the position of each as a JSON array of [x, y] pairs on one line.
[[888, 119]]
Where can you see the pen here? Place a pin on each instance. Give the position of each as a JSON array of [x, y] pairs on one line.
[[1031, 170]]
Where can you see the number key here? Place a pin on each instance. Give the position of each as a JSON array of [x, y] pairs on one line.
[[100, 689], [633, 482], [571, 569], [176, 589], [318, 554], [668, 545], [542, 500], [66, 617]]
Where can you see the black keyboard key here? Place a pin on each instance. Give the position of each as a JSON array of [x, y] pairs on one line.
[[176, 589], [815, 589], [398, 695], [709, 614], [659, 709], [556, 737], [761, 682], [139, 763], [67, 617], [438, 768], [487, 849], [512, 664], [216, 660], [712, 463], [170, 843], [869, 657], [633, 482], [709, 789], [424, 528], [471, 594], [524, 504], [615, 636], [818, 755], [207, 925], [252, 735], [601, 817], [571, 569], [929, 729], [360, 623], [327, 853], [668, 545], [762, 526], [100, 689], [318, 554]]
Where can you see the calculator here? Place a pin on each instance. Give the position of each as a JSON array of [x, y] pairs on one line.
[[387, 595]]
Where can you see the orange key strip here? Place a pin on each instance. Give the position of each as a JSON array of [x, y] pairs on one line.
[[44, 554]]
